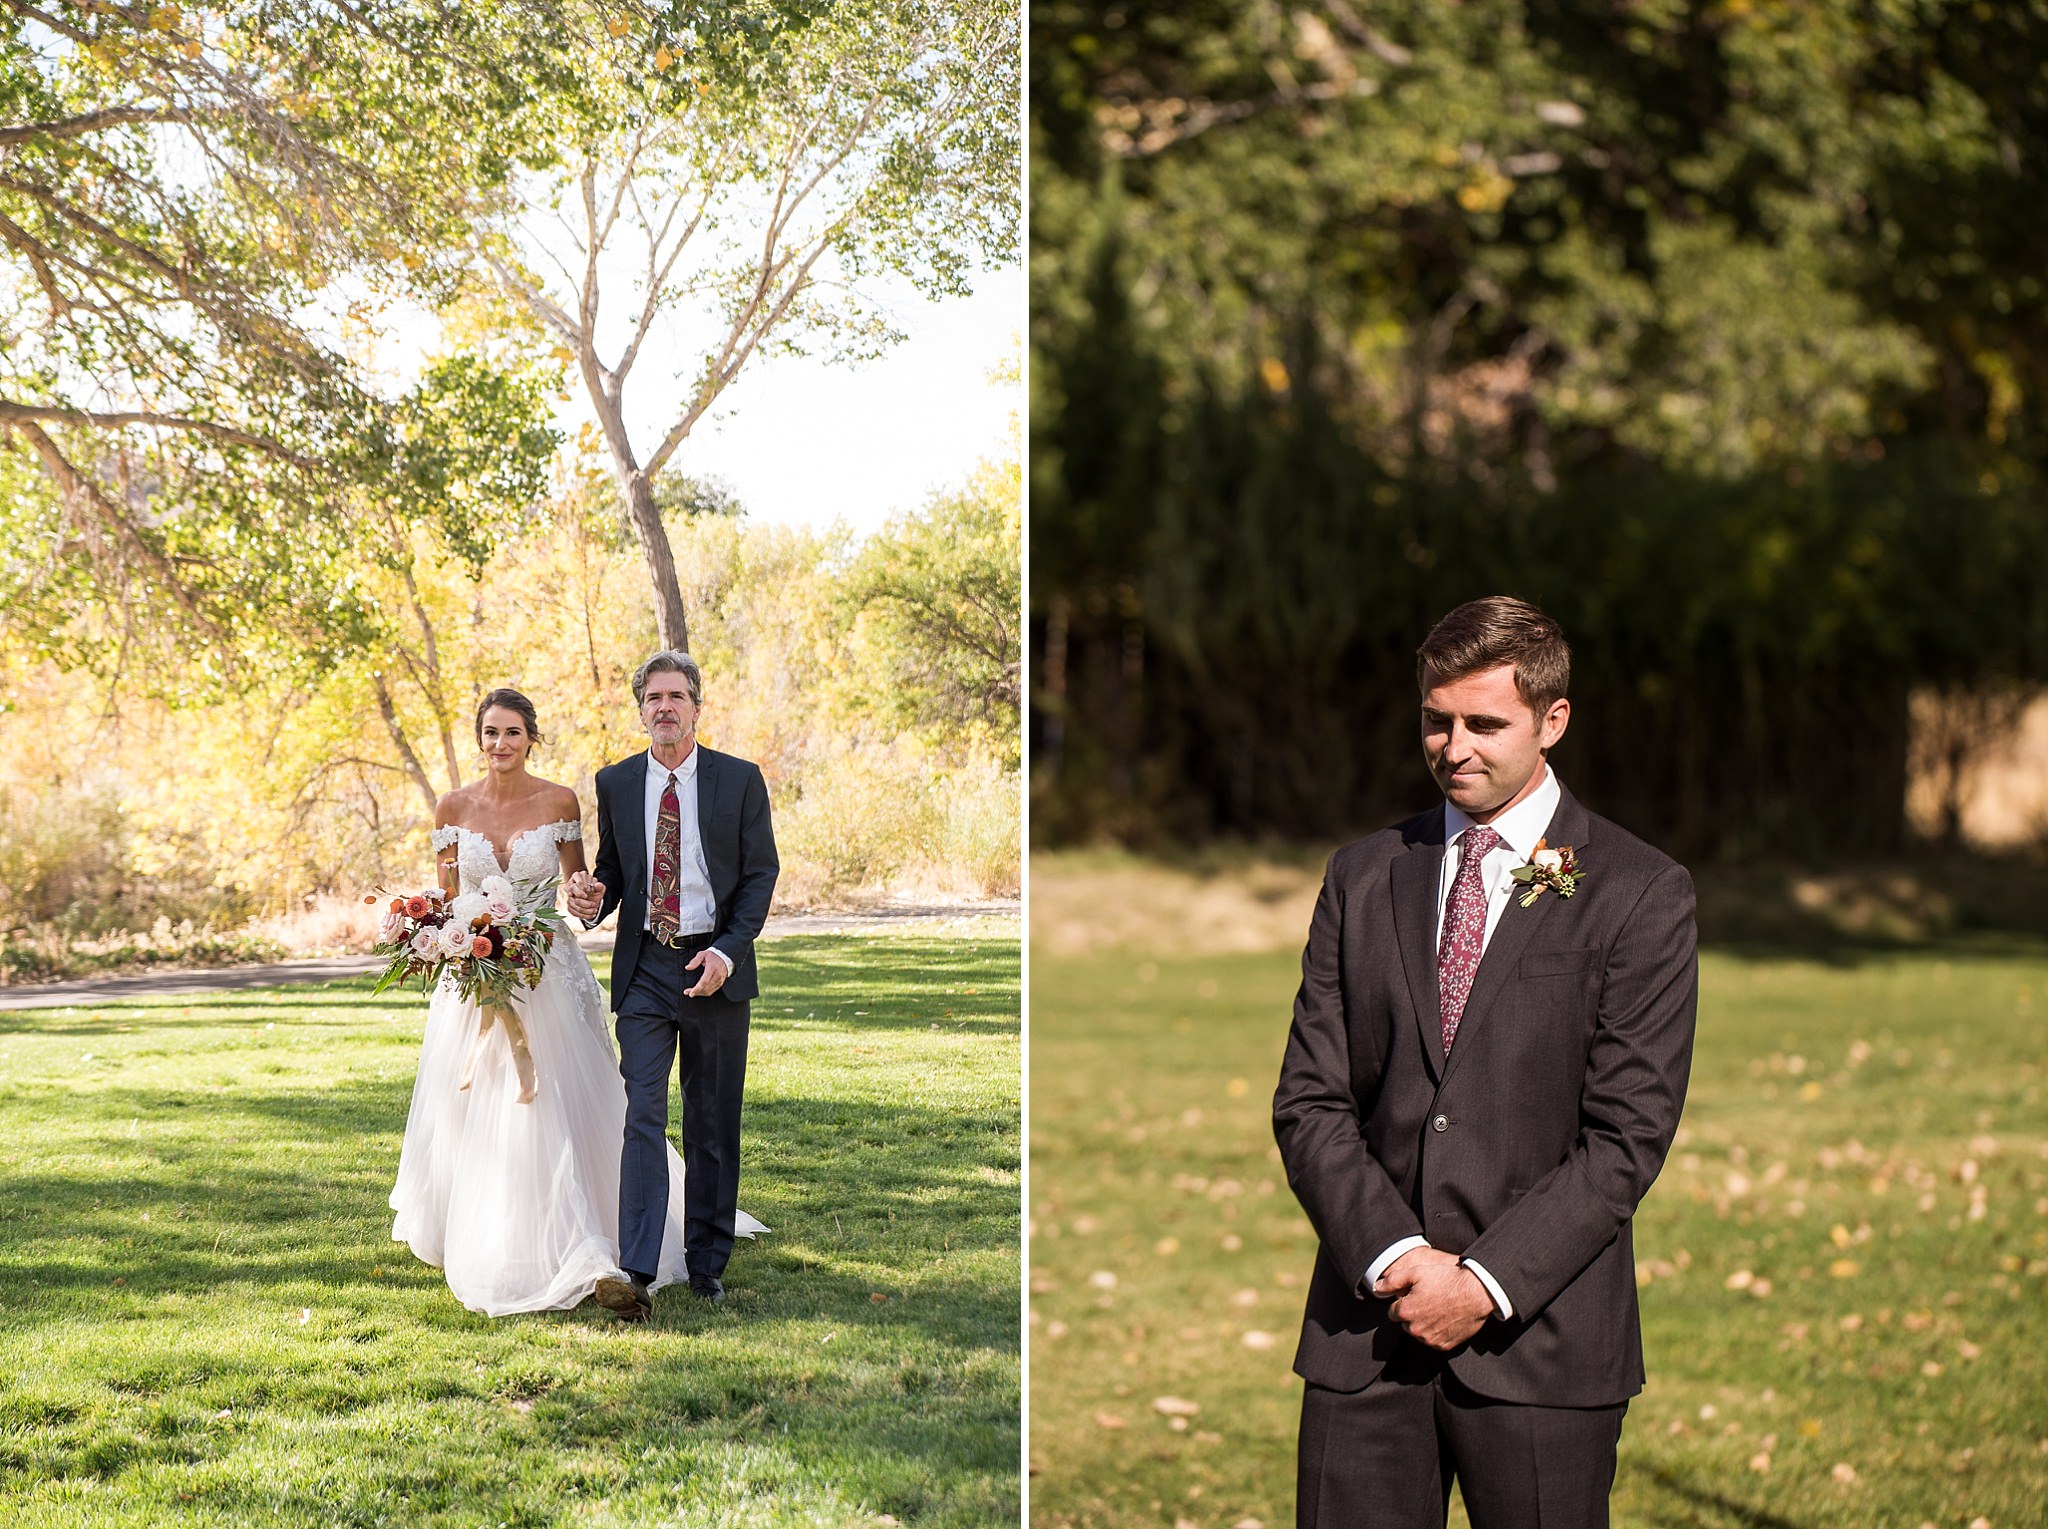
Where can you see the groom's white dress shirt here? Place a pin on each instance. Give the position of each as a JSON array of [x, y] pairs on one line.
[[699, 910], [1519, 829]]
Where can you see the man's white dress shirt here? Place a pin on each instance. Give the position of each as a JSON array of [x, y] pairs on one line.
[[699, 909], [1519, 829]]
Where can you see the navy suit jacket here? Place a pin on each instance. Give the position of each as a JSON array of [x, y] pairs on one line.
[[1527, 1149], [739, 852]]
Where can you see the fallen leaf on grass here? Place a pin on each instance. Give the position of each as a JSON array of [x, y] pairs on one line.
[[1109, 1420], [1844, 1268], [1259, 1340], [1760, 1462], [1844, 1474], [875, 1297], [1175, 1406]]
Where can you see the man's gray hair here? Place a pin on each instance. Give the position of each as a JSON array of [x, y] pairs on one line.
[[668, 661]]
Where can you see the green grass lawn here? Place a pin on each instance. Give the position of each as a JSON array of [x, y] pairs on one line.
[[1844, 1265], [204, 1320]]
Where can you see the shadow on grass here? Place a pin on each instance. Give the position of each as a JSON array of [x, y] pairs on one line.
[[869, 984], [1844, 953], [1717, 1508], [884, 1185]]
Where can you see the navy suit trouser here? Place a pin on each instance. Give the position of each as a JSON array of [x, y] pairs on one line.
[[658, 1024]]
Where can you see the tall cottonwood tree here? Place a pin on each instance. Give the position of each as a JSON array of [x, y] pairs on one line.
[[198, 213], [751, 180]]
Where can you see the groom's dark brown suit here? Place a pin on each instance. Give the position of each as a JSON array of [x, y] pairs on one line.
[[1525, 1150]]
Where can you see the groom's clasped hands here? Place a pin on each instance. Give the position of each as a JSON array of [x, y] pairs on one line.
[[1435, 1299]]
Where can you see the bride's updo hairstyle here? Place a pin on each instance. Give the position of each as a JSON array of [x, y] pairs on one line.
[[511, 700]]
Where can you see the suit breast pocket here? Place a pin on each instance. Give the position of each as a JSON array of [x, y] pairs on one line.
[[1560, 963]]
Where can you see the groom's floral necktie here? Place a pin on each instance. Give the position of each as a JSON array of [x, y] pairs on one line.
[[1464, 937], [665, 888]]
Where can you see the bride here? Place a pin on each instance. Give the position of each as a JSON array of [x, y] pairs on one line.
[[509, 1176]]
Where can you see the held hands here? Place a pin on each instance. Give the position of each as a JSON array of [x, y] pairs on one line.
[[584, 895], [1436, 1299]]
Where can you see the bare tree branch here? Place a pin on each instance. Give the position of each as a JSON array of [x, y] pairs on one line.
[[114, 419]]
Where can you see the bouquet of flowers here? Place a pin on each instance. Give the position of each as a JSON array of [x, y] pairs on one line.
[[490, 942]]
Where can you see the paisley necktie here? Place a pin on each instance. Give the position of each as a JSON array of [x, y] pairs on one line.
[[665, 913], [1464, 937]]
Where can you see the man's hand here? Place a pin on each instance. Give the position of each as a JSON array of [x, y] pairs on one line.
[[715, 968], [584, 894], [1436, 1299]]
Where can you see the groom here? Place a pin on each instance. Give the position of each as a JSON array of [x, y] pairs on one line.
[[1488, 1057], [685, 852]]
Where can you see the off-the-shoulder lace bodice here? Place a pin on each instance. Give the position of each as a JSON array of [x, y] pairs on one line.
[[532, 861], [532, 857]]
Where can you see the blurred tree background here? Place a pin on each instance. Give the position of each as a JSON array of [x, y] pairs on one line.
[[1717, 329], [281, 491]]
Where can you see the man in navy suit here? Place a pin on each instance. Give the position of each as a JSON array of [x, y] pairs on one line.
[[1489, 1054], [686, 853]]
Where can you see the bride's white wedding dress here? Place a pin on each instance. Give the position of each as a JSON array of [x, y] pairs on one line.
[[519, 1203]]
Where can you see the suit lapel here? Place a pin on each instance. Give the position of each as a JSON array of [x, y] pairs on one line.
[[711, 777], [1412, 882], [1518, 925], [629, 812]]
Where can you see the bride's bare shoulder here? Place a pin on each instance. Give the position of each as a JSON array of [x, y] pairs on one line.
[[452, 810], [560, 802]]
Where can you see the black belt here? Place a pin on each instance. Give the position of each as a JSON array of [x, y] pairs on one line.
[[701, 938]]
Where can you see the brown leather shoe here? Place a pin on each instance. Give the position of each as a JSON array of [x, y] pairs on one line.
[[628, 1297]]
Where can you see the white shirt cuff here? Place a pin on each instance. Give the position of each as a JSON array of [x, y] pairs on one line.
[[1501, 1303], [726, 960], [1379, 1265]]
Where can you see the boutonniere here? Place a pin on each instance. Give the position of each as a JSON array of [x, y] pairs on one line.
[[1554, 868]]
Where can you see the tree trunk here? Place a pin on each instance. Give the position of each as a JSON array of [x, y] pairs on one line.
[[413, 768], [637, 487], [670, 623]]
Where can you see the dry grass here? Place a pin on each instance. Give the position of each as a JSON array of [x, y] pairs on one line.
[[324, 925], [1086, 901], [1248, 902]]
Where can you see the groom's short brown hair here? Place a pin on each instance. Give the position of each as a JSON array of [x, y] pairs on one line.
[[1485, 634]]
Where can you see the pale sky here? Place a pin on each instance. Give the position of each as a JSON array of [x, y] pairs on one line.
[[801, 442]]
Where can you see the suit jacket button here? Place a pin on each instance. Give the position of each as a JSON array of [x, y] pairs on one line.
[[1441, 1123]]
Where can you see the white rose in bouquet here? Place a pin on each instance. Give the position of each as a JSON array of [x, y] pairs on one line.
[[454, 938], [424, 943], [469, 906], [497, 888], [390, 927]]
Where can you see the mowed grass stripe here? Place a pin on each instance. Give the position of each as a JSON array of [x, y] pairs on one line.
[[205, 1321], [1844, 1265]]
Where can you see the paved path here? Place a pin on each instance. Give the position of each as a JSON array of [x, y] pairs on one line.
[[219, 979]]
